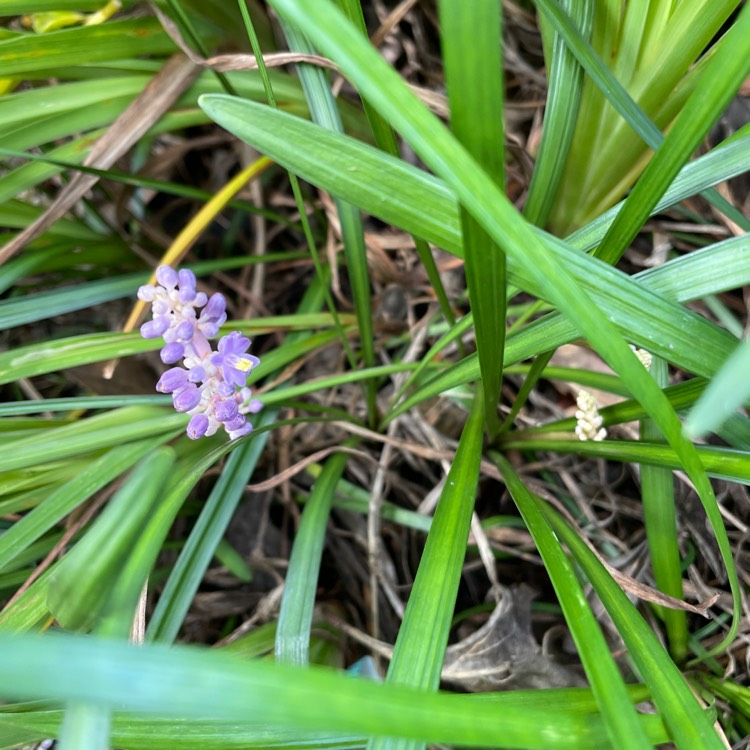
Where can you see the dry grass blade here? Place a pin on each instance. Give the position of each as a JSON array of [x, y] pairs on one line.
[[649, 594], [226, 63], [287, 474], [145, 110], [393, 19]]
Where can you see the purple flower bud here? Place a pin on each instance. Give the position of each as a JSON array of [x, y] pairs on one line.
[[187, 397], [213, 315], [197, 374], [172, 353], [215, 307], [184, 331], [167, 277], [155, 328], [187, 291], [226, 410], [246, 429], [235, 424], [254, 406], [172, 379], [197, 426], [146, 293], [160, 307], [200, 300], [233, 343], [225, 390], [186, 278]]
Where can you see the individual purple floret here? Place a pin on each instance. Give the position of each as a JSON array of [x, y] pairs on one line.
[[233, 359], [210, 385]]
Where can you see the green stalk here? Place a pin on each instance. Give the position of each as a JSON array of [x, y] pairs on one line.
[[660, 521]]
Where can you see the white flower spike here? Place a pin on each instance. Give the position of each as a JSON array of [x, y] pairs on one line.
[[589, 426]]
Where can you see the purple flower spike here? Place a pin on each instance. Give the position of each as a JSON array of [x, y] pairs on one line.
[[197, 426], [210, 385]]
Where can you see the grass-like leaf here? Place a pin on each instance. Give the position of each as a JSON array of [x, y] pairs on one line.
[[728, 390], [723, 75], [110, 41], [192, 683], [93, 434], [689, 725], [636, 319], [614, 92], [660, 521], [405, 196], [70, 495], [564, 85], [420, 646], [21, 310], [188, 571], [608, 151], [85, 727], [324, 111], [471, 43], [616, 294], [157, 732], [602, 671], [295, 616], [80, 594], [724, 463]]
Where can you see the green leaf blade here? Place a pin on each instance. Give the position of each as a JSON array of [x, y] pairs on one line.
[[420, 646], [606, 681], [295, 616], [472, 43], [689, 725], [726, 392]]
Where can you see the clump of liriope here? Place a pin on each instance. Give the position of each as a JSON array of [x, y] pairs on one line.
[[210, 385]]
